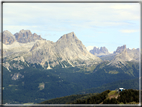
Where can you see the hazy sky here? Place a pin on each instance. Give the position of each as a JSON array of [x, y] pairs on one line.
[[95, 24]]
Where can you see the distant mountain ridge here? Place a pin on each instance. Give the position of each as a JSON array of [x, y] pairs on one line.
[[121, 57], [8, 38], [24, 36], [67, 51], [118, 57], [125, 54], [119, 49], [99, 51]]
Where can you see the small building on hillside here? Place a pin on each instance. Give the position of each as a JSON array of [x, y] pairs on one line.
[[121, 89]]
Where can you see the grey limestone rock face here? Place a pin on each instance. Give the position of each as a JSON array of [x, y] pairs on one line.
[[25, 36], [95, 50], [99, 51], [119, 49], [27, 47], [68, 48], [120, 59], [134, 53], [124, 54], [104, 50], [67, 51], [8, 38], [71, 47]]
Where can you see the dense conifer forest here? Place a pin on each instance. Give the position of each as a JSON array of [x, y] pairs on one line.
[[128, 96]]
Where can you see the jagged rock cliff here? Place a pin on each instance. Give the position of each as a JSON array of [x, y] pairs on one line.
[[8, 38], [25, 36], [68, 50], [119, 49], [99, 51], [124, 54]]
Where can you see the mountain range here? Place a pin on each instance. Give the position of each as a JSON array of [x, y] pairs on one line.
[[32, 66], [23, 36], [121, 54], [68, 49], [31, 48]]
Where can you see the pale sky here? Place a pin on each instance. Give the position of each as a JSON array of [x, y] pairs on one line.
[[95, 24]]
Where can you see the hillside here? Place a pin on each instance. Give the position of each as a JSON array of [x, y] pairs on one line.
[[128, 96], [68, 99], [19, 85], [127, 84]]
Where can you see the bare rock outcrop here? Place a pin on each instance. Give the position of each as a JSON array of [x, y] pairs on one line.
[[8, 37], [119, 49], [99, 51], [68, 48], [25, 36], [124, 55]]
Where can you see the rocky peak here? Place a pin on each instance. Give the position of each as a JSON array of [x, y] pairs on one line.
[[124, 55], [99, 51], [70, 40], [8, 37], [68, 37], [104, 50], [6, 32], [68, 48], [121, 58], [120, 49], [25, 31], [94, 50], [25, 36]]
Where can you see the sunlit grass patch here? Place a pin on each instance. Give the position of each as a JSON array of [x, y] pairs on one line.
[[113, 72]]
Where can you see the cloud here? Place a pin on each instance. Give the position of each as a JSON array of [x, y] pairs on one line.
[[91, 19], [129, 31], [123, 6], [85, 14]]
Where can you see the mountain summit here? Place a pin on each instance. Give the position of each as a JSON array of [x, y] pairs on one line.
[[8, 38], [69, 36], [71, 47], [121, 58], [67, 51], [68, 48], [123, 55], [120, 49], [25, 36], [99, 51]]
